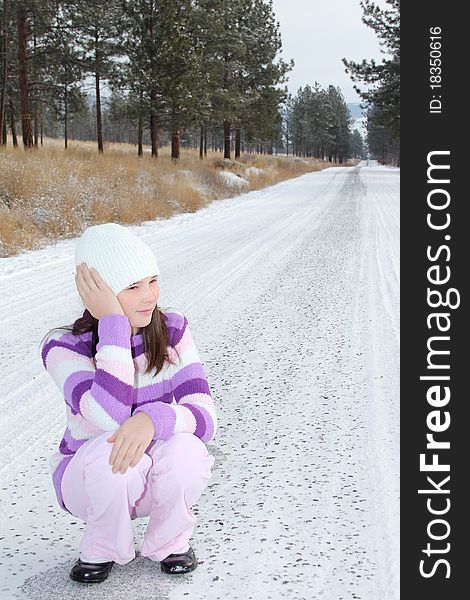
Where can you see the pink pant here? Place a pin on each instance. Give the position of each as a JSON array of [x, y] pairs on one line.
[[164, 485]]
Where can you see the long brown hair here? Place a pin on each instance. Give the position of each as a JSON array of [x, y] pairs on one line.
[[155, 337]]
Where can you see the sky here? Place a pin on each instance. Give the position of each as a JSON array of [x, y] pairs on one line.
[[317, 34]]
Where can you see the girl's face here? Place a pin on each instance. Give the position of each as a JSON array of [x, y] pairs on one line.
[[138, 297]]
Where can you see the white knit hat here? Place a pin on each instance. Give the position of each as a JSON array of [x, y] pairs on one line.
[[119, 256]]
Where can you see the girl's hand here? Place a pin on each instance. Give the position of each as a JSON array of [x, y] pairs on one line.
[[130, 441], [98, 298]]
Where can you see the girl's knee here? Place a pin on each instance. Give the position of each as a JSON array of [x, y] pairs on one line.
[[186, 459], [189, 443]]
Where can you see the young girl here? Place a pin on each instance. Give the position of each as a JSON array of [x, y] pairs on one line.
[[139, 411]]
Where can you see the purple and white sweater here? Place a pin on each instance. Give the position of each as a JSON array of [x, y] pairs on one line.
[[178, 398]]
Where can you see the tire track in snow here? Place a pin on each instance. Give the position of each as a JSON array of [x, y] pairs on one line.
[[382, 354], [324, 539]]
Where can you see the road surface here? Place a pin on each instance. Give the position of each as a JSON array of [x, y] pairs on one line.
[[292, 294]]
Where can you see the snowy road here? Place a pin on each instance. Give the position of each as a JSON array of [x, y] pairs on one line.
[[292, 294]]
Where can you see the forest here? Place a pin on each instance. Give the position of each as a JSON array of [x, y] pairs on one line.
[[203, 73]]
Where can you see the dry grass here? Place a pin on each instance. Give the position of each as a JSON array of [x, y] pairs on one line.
[[50, 194]]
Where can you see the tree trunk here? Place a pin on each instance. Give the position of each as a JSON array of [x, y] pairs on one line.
[[153, 125], [13, 124], [140, 146], [153, 134], [153, 94], [36, 128], [140, 127], [42, 134], [66, 116], [99, 127], [201, 142], [23, 77], [226, 139], [36, 121], [99, 124], [205, 139], [175, 143], [3, 84], [237, 142]]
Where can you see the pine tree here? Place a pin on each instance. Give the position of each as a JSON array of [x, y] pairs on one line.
[[356, 144], [221, 27], [340, 125], [97, 27], [131, 76], [241, 40], [318, 123], [23, 10], [7, 35], [385, 77], [54, 65], [180, 74], [162, 74], [310, 122], [380, 141], [260, 109]]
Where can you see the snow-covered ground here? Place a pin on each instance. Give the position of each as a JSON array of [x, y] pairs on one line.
[[292, 294]]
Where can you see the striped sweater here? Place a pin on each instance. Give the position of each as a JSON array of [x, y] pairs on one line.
[[178, 398]]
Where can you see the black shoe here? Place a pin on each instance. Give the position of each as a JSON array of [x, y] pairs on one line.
[[90, 572], [179, 563]]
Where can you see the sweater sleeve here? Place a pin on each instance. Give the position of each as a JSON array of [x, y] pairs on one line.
[[194, 411], [102, 396]]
